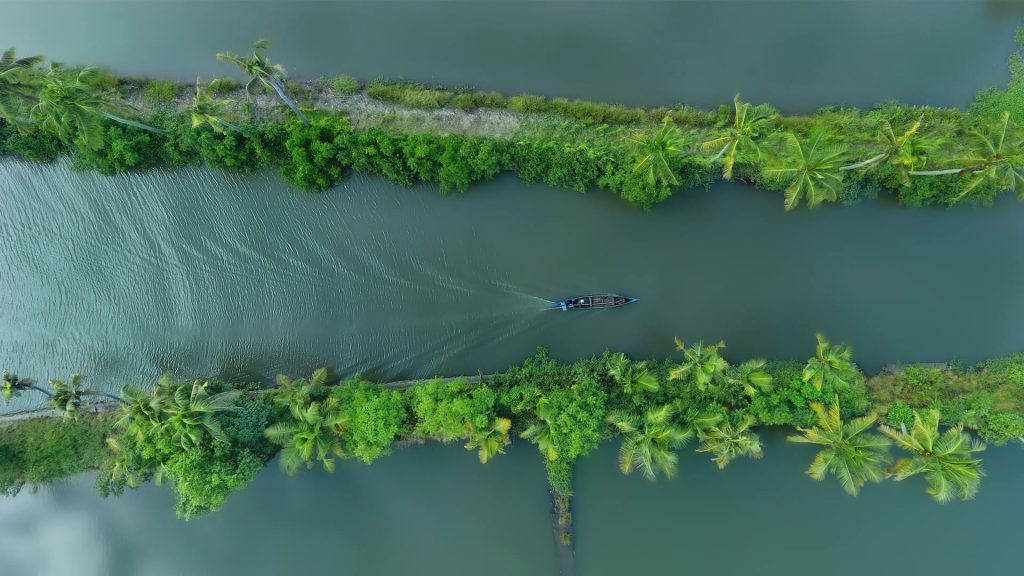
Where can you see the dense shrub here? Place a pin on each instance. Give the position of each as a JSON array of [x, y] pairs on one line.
[[448, 411], [376, 417], [317, 155], [344, 84], [124, 148], [35, 146]]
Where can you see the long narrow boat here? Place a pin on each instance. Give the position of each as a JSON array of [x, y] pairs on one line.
[[592, 302]]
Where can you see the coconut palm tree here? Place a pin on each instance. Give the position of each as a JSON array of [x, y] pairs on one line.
[[262, 72], [539, 432], [141, 412], [850, 452], [311, 434], [831, 364], [211, 111], [997, 158], [633, 378], [69, 106], [751, 376], [19, 79], [905, 152], [13, 387], [701, 363], [728, 442], [69, 397], [648, 442], [189, 412], [741, 139], [815, 171], [491, 440], [944, 458], [656, 152]]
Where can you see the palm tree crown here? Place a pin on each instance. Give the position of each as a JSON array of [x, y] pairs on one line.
[[491, 440], [649, 441], [701, 363], [540, 431], [11, 386], [944, 458], [211, 111], [19, 78], [69, 105], [741, 138], [831, 364], [728, 442], [815, 171], [656, 152], [262, 72], [632, 378], [313, 433], [188, 413], [849, 451]]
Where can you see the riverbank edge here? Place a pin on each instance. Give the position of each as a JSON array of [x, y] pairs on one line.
[[454, 137]]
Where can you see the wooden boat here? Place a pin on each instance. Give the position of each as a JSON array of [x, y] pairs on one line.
[[592, 302]]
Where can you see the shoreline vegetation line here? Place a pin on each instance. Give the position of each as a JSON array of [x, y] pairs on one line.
[[315, 132]]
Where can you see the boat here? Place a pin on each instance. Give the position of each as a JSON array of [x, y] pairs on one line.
[[592, 302]]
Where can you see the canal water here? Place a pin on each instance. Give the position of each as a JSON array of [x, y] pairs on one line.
[[204, 272]]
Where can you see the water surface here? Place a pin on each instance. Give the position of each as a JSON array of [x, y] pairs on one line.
[[202, 272], [796, 54]]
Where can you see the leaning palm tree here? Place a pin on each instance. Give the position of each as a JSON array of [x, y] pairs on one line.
[[263, 73], [69, 397], [997, 158], [208, 110], [905, 153], [312, 434], [12, 386], [540, 431], [815, 171], [648, 442], [633, 378], [728, 442], [656, 152], [832, 364], [489, 441], [849, 451], [944, 458], [69, 105], [189, 412], [741, 139], [19, 79], [701, 362]]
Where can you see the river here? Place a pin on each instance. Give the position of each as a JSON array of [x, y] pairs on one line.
[[204, 272]]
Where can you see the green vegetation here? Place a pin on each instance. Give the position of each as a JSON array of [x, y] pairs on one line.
[[209, 438], [921, 155]]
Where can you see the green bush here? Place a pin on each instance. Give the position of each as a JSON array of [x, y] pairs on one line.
[[448, 411], [1001, 428], [34, 145], [157, 92], [344, 84], [376, 418], [124, 148], [900, 413], [318, 154], [528, 103]]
